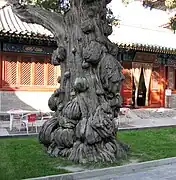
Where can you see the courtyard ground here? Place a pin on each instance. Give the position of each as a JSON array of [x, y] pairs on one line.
[[148, 117], [134, 119]]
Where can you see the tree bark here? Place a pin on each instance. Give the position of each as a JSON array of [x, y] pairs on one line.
[[87, 103]]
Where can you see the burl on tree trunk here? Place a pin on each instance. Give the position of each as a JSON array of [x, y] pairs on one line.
[[87, 103]]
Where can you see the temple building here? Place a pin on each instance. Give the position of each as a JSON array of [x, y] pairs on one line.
[[27, 78], [147, 52], [148, 57]]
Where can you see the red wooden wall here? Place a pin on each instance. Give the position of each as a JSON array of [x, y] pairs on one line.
[[127, 83], [27, 72], [157, 86], [157, 83]]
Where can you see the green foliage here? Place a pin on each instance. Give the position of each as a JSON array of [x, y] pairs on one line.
[[167, 3], [56, 4], [47, 4], [154, 4], [52, 5], [63, 6], [170, 3]]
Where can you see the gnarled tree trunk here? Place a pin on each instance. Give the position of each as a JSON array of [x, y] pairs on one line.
[[87, 103]]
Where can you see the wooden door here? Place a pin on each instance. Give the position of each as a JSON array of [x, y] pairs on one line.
[[127, 84], [156, 87]]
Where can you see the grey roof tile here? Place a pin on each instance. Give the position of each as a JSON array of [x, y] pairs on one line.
[[10, 23], [133, 35]]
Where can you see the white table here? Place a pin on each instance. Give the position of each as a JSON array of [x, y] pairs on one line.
[[18, 112]]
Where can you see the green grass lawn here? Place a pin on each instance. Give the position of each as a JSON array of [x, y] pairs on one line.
[[150, 144], [25, 158]]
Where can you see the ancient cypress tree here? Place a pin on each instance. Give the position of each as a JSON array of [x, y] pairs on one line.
[[87, 103]]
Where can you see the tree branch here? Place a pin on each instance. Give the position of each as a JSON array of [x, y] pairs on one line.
[[35, 14]]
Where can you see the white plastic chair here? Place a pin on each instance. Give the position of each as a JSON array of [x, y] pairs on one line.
[[15, 116], [123, 112], [29, 120]]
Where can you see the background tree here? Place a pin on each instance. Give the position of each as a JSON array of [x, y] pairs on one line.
[[87, 103], [164, 4], [159, 4], [51, 5]]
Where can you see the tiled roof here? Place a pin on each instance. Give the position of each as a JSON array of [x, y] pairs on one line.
[[159, 39], [11, 24], [127, 36]]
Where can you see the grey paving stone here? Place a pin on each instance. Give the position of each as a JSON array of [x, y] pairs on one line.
[[166, 172], [3, 132], [171, 178]]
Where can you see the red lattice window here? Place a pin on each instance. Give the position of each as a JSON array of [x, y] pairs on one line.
[[39, 72], [26, 71], [10, 71], [52, 77]]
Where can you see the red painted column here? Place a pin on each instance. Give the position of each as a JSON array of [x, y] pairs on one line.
[[126, 90], [162, 84]]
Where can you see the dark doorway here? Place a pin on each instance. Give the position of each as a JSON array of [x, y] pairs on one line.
[[141, 91], [141, 95], [133, 94]]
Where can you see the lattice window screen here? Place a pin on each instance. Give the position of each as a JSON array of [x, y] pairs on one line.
[[26, 71], [39, 73], [10, 71], [52, 75], [57, 73], [29, 71]]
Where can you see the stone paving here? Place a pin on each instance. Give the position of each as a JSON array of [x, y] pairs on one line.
[[165, 172], [138, 118], [153, 122], [134, 119], [149, 113], [3, 132]]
